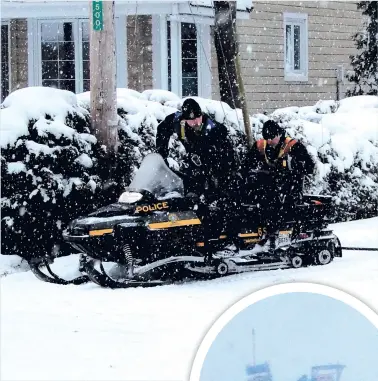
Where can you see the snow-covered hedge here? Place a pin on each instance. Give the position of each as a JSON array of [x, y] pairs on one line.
[[51, 163], [48, 171], [52, 166], [342, 137]]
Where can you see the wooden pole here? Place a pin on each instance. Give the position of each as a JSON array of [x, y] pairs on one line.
[[230, 79], [103, 92], [242, 98]]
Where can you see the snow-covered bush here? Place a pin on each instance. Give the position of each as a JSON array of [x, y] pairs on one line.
[[52, 168], [342, 137], [48, 171]]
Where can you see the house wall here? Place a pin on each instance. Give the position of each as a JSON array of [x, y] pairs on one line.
[[330, 27], [139, 52], [18, 54]]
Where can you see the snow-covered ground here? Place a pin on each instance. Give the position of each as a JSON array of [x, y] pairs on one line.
[[51, 332]]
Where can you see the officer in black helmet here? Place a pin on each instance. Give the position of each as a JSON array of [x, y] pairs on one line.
[[210, 163], [278, 165], [209, 151]]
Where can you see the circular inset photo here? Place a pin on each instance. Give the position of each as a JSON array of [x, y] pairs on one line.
[[291, 332]]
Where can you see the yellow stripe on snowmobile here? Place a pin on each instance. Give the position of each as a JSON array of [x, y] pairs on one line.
[[248, 234], [251, 240], [200, 244], [173, 224], [100, 232], [222, 236], [286, 232]]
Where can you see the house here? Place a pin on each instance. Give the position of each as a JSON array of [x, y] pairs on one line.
[[291, 52]]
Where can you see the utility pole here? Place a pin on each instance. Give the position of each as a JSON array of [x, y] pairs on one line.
[[226, 44], [103, 69]]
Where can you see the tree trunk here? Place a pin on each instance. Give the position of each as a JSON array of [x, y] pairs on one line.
[[103, 79], [226, 49]]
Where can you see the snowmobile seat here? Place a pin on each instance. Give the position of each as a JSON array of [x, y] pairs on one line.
[[315, 208], [316, 199]]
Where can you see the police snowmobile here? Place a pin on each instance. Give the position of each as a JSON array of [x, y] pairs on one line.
[[154, 235]]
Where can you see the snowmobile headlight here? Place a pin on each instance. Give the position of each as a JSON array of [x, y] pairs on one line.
[[130, 197]]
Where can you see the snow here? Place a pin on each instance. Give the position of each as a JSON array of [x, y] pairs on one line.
[[85, 160], [347, 130], [358, 102], [30, 103], [160, 96], [16, 167], [52, 332]]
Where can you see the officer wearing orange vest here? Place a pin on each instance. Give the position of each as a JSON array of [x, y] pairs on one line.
[[278, 164]]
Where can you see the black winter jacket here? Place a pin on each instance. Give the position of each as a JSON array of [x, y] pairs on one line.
[[276, 176], [212, 144]]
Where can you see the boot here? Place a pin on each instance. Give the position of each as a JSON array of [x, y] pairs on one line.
[[270, 243]]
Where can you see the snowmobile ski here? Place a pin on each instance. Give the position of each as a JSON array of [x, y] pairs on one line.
[[35, 266]]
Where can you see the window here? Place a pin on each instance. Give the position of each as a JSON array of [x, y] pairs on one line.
[[85, 52], [58, 55], [296, 47], [4, 62], [182, 55], [64, 54], [189, 61]]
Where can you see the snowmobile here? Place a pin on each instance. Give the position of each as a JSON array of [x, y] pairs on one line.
[[155, 234]]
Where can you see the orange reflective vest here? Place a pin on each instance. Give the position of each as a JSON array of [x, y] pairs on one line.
[[285, 149]]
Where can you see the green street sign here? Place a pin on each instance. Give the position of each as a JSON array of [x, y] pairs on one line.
[[98, 16]]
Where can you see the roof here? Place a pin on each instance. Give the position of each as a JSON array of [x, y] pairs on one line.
[[79, 8]]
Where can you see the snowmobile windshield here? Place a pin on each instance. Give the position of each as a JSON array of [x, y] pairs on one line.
[[156, 177]]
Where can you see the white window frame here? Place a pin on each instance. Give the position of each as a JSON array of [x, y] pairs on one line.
[[35, 58], [7, 23], [160, 54], [300, 19]]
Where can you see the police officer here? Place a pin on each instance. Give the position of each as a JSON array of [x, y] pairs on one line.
[[210, 163], [209, 151], [278, 165]]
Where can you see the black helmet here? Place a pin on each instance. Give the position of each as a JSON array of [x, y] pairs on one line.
[[271, 129], [190, 109]]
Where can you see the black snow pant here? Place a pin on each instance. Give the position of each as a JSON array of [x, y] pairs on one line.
[[278, 207], [277, 199]]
